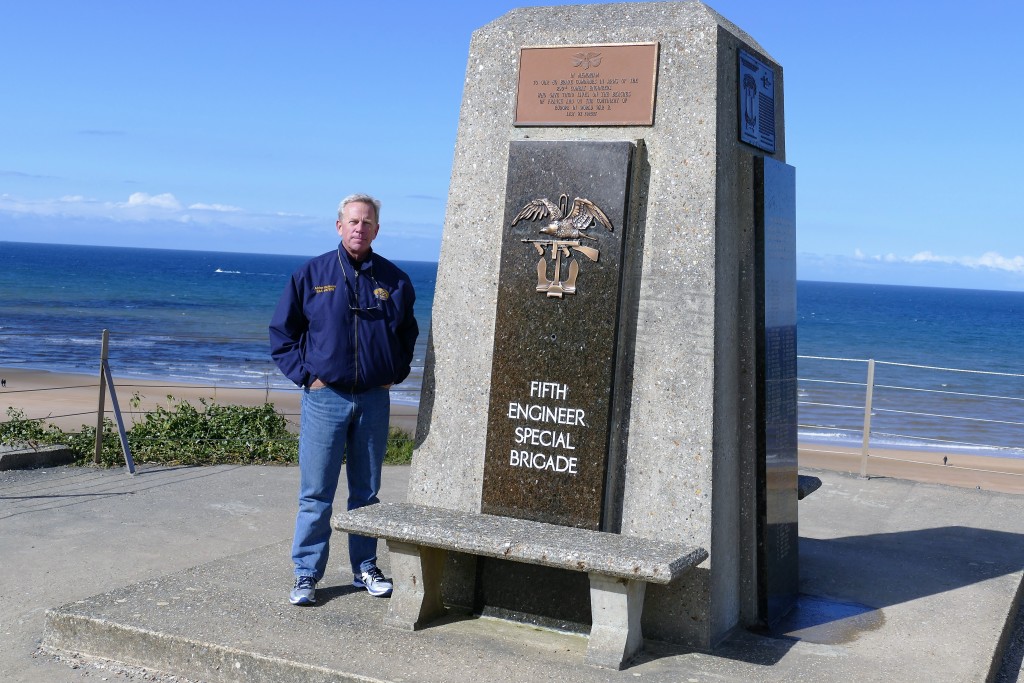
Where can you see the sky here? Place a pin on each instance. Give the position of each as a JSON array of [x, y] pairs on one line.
[[238, 126]]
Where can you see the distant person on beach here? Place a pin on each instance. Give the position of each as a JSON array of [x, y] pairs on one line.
[[344, 331]]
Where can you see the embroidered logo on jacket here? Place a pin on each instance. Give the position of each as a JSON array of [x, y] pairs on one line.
[[323, 289]]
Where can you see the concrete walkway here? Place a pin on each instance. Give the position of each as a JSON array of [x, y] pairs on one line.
[[187, 570]]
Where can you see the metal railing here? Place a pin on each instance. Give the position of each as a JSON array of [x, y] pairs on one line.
[[264, 376], [260, 390], [912, 407], [871, 404]]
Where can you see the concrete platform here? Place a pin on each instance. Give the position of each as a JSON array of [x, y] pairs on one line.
[[900, 581]]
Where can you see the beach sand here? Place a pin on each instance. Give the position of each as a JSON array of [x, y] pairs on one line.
[[934, 467], [70, 401]]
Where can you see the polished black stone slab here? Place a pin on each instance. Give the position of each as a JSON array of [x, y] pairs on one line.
[[775, 218], [555, 333]]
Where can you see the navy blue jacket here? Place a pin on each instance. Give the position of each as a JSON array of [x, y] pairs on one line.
[[350, 325]]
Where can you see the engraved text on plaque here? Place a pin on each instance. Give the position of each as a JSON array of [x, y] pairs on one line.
[[587, 85]]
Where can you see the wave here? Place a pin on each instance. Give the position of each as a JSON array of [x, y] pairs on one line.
[[76, 341], [241, 272], [855, 439]]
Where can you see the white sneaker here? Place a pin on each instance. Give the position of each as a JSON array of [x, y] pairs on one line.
[[374, 582], [304, 592]]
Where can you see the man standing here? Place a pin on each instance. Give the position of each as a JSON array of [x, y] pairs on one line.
[[344, 331]]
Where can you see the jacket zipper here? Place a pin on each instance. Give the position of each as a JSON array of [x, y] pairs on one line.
[[355, 332]]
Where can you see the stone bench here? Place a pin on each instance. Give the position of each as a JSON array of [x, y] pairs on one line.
[[619, 567]]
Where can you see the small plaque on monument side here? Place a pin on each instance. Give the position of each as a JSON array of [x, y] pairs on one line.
[[757, 102], [556, 330], [587, 85]]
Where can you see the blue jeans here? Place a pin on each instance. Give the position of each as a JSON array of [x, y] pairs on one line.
[[337, 426]]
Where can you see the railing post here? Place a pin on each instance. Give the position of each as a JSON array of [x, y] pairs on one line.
[[867, 418], [103, 397]]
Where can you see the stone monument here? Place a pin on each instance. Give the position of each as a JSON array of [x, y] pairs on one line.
[[613, 332]]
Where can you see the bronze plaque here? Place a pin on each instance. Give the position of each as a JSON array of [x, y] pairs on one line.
[[555, 336], [587, 85]]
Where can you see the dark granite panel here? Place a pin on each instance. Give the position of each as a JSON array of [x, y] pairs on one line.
[[532, 594], [555, 332], [775, 213]]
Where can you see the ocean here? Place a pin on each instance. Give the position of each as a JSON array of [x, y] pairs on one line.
[[201, 317], [186, 316], [948, 368]]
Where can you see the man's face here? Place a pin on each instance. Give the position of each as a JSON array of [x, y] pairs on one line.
[[357, 227]]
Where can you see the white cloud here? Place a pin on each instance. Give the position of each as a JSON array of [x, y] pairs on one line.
[[990, 260], [160, 201], [929, 257], [143, 207], [994, 260], [214, 207]]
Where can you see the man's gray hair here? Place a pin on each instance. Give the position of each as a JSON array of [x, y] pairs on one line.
[[364, 199]]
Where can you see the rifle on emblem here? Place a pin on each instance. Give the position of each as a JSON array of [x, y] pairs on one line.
[[564, 246], [567, 227]]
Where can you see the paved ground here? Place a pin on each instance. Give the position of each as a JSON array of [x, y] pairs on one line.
[[902, 582], [68, 533]]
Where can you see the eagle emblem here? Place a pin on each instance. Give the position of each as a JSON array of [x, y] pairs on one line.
[[586, 60], [567, 226]]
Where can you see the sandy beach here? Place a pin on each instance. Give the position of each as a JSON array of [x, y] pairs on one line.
[[69, 400], [1005, 475]]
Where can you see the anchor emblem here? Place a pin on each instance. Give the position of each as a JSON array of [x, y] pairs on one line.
[[566, 230]]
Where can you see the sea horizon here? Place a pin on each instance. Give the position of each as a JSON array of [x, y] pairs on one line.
[[200, 317], [1019, 289]]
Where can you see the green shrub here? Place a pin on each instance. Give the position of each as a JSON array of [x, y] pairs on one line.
[[83, 444], [18, 431], [183, 434], [214, 434], [400, 445]]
